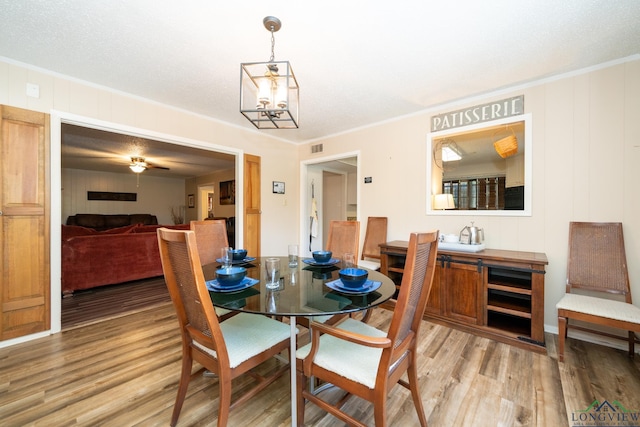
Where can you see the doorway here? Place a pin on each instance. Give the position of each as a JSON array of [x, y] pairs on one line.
[[332, 182], [57, 119], [206, 194]]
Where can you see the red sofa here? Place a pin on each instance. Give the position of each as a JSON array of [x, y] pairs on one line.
[[92, 258]]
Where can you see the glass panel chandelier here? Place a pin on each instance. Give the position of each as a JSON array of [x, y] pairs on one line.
[[269, 92]]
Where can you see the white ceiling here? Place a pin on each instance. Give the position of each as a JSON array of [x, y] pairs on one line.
[[357, 62], [98, 150]]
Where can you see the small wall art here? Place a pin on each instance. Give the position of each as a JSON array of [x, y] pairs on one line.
[[278, 187], [228, 192]]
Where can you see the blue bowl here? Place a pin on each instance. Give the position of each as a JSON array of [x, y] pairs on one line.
[[230, 276], [239, 254], [353, 277], [322, 256]]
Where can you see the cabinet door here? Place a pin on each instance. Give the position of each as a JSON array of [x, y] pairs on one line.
[[24, 222], [463, 285]]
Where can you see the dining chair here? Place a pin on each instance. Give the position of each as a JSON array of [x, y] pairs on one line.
[[228, 349], [375, 234], [597, 264], [365, 361], [344, 237], [211, 237]]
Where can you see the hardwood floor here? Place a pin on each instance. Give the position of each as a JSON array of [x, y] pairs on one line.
[[124, 372], [108, 302]]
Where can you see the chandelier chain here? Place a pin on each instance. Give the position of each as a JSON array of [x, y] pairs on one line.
[[273, 45]]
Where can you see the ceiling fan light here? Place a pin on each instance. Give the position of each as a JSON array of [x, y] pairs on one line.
[[137, 168]]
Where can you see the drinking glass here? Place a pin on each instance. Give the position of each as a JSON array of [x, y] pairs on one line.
[[272, 268], [349, 260], [225, 255], [293, 255]]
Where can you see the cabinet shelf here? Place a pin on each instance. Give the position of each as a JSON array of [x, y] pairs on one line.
[[514, 325], [516, 288], [509, 303]]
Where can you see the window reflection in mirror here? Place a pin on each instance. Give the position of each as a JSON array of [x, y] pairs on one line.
[[485, 167]]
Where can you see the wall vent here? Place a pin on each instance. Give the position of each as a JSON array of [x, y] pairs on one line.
[[316, 148]]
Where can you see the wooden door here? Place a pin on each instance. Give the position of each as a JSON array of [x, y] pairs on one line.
[[24, 223], [252, 209]]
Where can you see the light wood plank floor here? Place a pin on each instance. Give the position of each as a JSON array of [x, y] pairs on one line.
[[108, 302], [124, 372]]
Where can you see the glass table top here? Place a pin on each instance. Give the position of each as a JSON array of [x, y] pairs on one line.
[[303, 291]]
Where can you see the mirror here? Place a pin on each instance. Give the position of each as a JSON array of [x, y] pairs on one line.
[[465, 162]]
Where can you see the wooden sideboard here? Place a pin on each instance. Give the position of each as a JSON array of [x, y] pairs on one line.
[[493, 293]]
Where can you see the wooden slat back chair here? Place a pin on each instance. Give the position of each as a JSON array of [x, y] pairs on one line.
[[344, 237], [365, 361], [211, 237], [597, 262], [228, 349], [375, 234]]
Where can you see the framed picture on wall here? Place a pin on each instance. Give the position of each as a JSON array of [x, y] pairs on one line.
[[191, 201], [228, 192], [278, 187]]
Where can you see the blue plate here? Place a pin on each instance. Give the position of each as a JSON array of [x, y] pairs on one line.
[[313, 262], [247, 282], [369, 286], [236, 262]]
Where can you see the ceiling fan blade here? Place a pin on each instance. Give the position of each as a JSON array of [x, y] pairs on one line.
[[150, 166]]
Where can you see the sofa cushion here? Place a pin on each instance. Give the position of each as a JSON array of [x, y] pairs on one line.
[[120, 230], [145, 219], [113, 221], [104, 221], [69, 231], [90, 220], [154, 228]]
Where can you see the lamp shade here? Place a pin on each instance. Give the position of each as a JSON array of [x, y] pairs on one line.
[[443, 201]]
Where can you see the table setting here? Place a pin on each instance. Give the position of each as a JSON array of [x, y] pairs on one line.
[[282, 286]]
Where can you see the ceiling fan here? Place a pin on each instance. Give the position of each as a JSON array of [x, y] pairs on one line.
[[139, 165]]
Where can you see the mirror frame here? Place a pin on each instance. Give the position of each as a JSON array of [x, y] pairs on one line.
[[528, 162]]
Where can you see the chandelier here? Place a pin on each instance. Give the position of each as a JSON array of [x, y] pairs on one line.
[[269, 92]]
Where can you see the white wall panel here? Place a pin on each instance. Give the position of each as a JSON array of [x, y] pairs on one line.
[[585, 148]]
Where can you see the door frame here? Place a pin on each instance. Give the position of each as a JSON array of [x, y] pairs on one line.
[[59, 117], [305, 193]]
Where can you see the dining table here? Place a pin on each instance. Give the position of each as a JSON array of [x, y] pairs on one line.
[[309, 289]]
